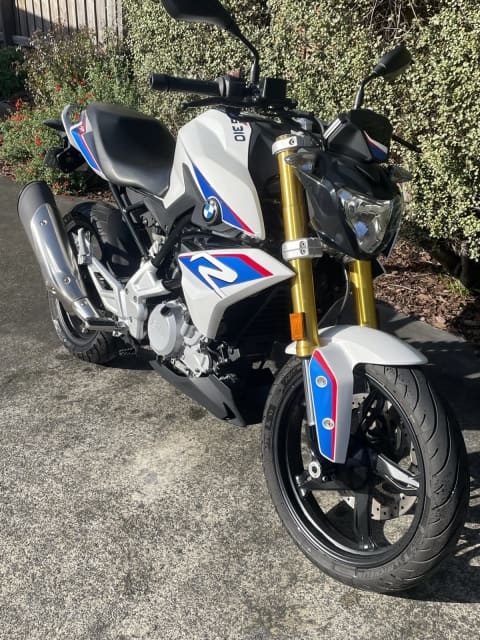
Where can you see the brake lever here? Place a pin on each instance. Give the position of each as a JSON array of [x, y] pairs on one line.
[[407, 145]]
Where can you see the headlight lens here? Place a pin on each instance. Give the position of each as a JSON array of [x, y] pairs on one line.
[[370, 219]]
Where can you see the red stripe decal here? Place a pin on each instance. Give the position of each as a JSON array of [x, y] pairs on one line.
[[243, 224], [249, 261]]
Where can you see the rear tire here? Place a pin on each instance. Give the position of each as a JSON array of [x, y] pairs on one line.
[[113, 245], [91, 346], [412, 429]]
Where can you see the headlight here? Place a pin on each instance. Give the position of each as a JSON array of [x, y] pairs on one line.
[[370, 219]]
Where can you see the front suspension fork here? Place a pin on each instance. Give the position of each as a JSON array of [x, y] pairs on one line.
[[361, 282], [303, 320], [304, 317]]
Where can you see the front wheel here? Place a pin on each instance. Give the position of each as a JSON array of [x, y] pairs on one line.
[[394, 511]]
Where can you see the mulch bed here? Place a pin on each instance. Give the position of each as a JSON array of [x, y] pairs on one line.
[[416, 284]]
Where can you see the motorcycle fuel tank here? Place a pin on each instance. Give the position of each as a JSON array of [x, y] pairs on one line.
[[215, 147]]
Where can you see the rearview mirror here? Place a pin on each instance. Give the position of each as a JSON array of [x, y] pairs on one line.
[[393, 63], [210, 11]]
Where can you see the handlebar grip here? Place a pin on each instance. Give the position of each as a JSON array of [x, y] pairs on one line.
[[163, 82]]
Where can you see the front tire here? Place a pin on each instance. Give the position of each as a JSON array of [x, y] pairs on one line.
[[374, 534]]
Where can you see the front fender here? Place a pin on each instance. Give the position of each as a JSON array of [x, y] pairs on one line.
[[330, 382]]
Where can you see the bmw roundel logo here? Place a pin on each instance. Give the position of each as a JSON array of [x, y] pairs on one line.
[[212, 210]]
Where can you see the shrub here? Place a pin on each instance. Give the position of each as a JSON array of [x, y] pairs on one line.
[[444, 117], [25, 141], [62, 69], [324, 47], [11, 78], [58, 58]]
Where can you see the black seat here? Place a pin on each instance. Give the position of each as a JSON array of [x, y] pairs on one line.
[[133, 149]]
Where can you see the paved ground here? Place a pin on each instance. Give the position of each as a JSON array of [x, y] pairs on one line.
[[127, 512]]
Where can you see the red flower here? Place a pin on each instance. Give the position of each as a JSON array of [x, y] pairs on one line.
[[83, 82], [65, 183], [38, 141], [74, 80], [57, 87], [18, 104]]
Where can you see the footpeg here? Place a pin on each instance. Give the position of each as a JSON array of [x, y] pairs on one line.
[[105, 324]]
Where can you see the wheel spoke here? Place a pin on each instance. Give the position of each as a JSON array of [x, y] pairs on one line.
[[405, 481], [362, 522], [367, 414], [306, 483]]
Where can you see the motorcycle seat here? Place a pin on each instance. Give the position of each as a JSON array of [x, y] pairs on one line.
[[133, 150]]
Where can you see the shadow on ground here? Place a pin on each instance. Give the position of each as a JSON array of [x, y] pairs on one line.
[[458, 580]]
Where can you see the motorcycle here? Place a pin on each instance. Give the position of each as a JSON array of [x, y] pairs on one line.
[[229, 256]]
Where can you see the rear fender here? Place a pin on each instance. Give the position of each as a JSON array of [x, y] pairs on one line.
[[330, 381]]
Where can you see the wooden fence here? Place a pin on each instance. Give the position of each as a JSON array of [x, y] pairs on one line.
[[20, 18]]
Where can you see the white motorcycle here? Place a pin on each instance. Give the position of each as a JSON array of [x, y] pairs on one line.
[[228, 256]]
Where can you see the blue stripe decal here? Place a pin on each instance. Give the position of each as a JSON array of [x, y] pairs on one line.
[[83, 148], [377, 153], [324, 399], [228, 215], [245, 271]]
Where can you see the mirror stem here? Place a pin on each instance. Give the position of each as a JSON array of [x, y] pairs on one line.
[[255, 72], [361, 92]]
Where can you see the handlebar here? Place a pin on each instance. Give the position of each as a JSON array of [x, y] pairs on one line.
[[229, 89], [163, 82]]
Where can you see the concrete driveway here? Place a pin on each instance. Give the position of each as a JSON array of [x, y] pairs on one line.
[[127, 512]]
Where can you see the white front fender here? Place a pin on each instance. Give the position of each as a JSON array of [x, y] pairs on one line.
[[331, 378]]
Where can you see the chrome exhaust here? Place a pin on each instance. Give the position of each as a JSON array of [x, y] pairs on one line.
[[41, 220]]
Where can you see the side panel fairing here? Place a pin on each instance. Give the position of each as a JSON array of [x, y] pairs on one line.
[[212, 281]]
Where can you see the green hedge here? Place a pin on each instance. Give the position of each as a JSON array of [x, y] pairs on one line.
[[324, 47]]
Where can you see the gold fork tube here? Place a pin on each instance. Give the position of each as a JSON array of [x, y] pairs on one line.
[[361, 281], [295, 227]]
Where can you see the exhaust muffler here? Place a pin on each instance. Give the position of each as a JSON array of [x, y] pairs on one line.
[[41, 220]]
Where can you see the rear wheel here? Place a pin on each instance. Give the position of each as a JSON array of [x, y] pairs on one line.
[[394, 511], [112, 245]]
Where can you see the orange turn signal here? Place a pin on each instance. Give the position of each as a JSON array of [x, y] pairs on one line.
[[297, 326]]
